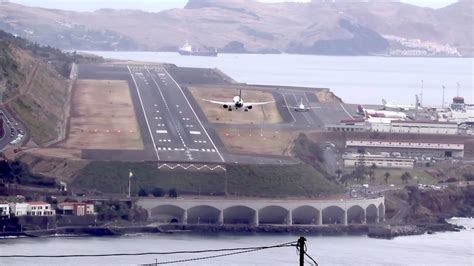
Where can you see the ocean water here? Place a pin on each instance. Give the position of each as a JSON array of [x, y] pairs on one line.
[[356, 79], [447, 248]]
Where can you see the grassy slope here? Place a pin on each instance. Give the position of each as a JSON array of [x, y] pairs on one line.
[[278, 181], [243, 180], [42, 107]]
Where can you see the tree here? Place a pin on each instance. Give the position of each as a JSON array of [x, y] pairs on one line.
[[386, 176], [173, 193], [158, 192], [372, 176], [360, 170], [405, 177], [345, 178], [339, 174], [142, 193]]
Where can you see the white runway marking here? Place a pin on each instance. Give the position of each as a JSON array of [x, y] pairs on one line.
[[162, 131], [144, 113], [195, 132]]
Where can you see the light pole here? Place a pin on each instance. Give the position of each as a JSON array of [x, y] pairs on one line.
[[442, 103], [130, 175], [421, 96]]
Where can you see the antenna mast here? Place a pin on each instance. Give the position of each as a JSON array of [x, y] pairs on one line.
[[421, 95]]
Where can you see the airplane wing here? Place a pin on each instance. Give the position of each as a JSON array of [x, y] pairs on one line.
[[257, 103], [218, 102]]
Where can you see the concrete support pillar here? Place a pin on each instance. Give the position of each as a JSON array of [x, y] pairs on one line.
[[256, 219], [185, 217], [377, 217], [220, 219], [364, 217], [320, 218], [382, 218], [289, 218], [344, 219]]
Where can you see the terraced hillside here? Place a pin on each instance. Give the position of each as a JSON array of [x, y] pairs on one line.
[[34, 85]]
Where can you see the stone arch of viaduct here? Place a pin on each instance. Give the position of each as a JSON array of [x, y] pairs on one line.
[[262, 211]]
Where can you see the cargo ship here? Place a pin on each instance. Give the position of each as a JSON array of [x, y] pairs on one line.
[[187, 49]]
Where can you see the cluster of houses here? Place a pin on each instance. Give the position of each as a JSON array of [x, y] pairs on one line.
[[40, 208]]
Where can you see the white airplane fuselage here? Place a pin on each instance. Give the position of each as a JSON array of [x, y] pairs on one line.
[[301, 108], [237, 103], [382, 114]]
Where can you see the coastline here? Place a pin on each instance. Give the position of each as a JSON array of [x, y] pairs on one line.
[[373, 231]]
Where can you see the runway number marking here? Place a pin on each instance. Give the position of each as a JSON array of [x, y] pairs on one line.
[[195, 115]]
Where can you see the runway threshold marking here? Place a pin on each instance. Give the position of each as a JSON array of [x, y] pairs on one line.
[[195, 115], [144, 113], [167, 107]]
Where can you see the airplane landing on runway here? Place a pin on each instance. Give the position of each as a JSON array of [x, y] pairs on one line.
[[174, 128]]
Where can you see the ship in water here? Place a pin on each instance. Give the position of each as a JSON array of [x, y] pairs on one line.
[[187, 49]]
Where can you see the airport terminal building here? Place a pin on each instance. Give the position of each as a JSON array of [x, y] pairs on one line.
[[416, 127], [354, 159], [408, 148]]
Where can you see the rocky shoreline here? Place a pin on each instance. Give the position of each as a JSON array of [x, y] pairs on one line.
[[375, 231]]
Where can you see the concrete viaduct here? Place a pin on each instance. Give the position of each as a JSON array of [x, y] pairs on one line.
[[264, 211]]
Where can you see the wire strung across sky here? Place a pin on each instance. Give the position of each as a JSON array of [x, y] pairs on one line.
[[233, 251], [221, 255]]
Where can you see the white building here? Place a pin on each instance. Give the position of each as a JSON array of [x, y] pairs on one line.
[[351, 125], [352, 160], [19, 209], [4, 210], [416, 127], [431, 148], [40, 208]]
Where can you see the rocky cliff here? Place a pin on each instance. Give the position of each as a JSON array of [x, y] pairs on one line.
[[242, 26]]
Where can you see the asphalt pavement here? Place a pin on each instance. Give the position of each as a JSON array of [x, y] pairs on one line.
[[174, 128]]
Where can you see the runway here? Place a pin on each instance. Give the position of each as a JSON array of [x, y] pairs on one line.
[[174, 128]]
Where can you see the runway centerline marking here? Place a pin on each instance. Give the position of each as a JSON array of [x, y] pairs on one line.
[[195, 115], [144, 113], [167, 107]]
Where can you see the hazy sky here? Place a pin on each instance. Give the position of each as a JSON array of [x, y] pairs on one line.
[[158, 5]]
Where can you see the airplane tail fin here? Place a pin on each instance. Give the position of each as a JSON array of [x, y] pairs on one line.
[[301, 102], [418, 104], [384, 102], [360, 109], [240, 94]]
